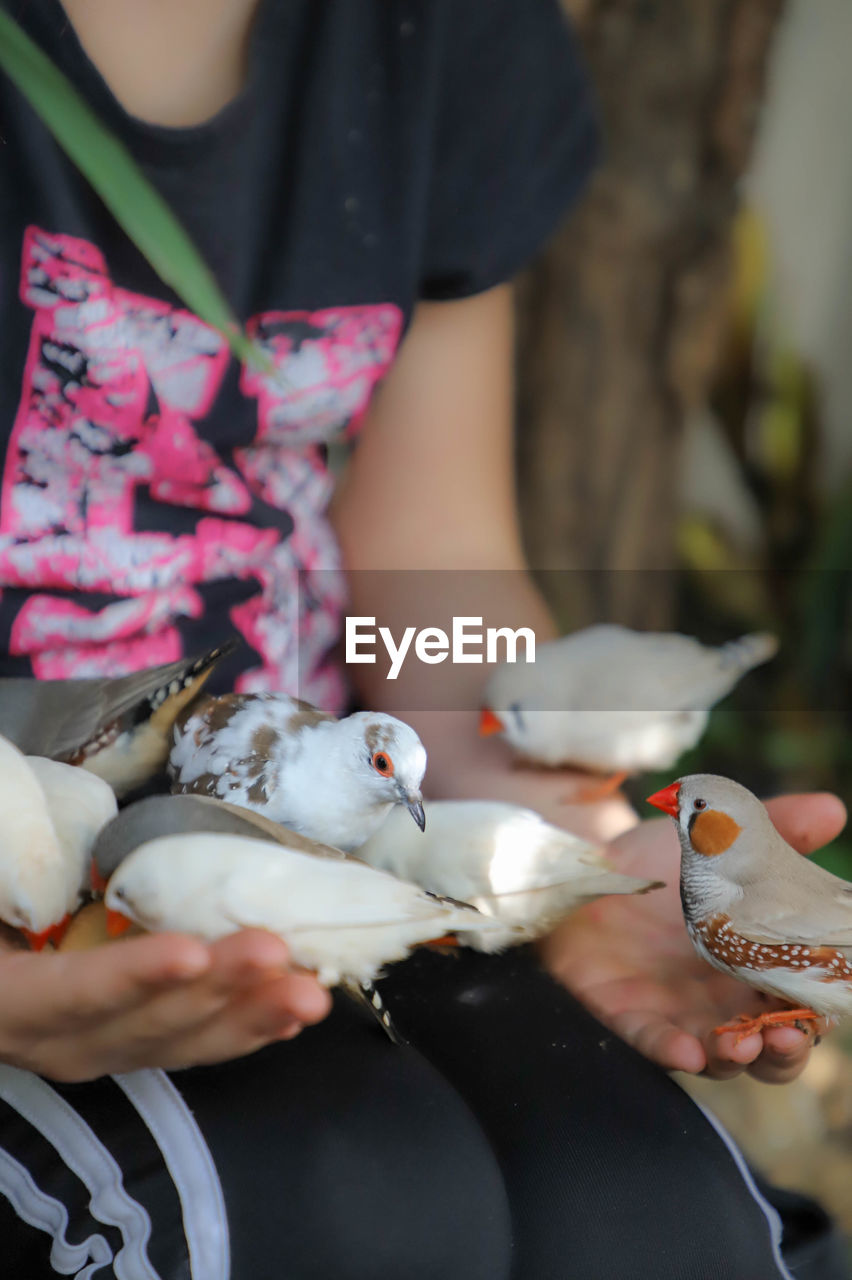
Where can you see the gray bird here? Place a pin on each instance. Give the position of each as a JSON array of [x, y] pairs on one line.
[[118, 728], [756, 909], [157, 816]]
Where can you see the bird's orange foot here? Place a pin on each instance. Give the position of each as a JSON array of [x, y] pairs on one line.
[[599, 789], [745, 1025], [447, 945]]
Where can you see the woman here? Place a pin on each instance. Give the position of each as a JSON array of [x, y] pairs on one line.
[[364, 180]]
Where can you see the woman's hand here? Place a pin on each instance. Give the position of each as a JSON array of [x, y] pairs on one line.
[[630, 960], [162, 1000]]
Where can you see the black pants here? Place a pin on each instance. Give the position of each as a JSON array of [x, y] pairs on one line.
[[514, 1138]]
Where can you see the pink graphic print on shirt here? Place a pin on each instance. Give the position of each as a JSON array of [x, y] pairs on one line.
[[116, 386]]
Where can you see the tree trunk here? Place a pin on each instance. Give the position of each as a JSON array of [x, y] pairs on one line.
[[622, 318]]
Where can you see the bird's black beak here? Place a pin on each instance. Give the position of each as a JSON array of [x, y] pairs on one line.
[[414, 805]]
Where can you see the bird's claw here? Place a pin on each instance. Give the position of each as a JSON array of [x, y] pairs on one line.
[[745, 1025]]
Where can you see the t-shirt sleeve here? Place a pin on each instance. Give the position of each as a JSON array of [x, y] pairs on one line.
[[516, 139]]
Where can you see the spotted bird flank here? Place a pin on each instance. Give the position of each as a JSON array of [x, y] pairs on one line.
[[733, 951]]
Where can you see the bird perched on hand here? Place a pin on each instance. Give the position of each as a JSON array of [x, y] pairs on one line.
[[755, 908], [158, 817], [339, 917], [503, 859], [117, 728], [52, 814], [332, 780], [614, 700]]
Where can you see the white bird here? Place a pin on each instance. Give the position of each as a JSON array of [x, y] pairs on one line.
[[339, 917], [332, 780], [503, 859], [614, 700], [117, 727], [80, 806], [51, 816]]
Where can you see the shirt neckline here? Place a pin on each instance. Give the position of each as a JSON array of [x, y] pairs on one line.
[[146, 135]]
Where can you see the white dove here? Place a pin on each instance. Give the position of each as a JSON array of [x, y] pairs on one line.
[[51, 816], [614, 700], [332, 780], [339, 917], [503, 859], [117, 727]]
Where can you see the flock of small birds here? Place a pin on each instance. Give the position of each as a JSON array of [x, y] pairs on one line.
[[285, 818]]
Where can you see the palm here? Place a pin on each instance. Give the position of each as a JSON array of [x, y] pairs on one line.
[[630, 960]]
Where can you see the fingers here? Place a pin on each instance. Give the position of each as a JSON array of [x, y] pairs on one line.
[[809, 821], [161, 1001], [236, 964], [726, 1058], [255, 957], [679, 1036], [785, 1054], [264, 1014], [44, 994], [658, 1038], [274, 1006], [775, 1056], [249, 995]]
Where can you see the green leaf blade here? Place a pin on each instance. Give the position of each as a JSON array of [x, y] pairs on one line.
[[112, 172]]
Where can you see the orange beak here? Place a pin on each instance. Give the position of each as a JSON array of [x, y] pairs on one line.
[[489, 723], [116, 923], [55, 934], [667, 799]]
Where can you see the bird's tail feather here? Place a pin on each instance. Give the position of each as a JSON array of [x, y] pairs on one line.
[[592, 886], [170, 697], [749, 651], [366, 994]]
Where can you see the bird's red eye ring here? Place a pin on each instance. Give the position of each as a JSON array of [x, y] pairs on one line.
[[382, 764], [699, 804]]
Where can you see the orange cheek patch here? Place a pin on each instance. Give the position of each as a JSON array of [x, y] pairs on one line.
[[713, 832]]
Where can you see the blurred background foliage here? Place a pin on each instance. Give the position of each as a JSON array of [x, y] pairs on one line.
[[787, 726], [685, 389]]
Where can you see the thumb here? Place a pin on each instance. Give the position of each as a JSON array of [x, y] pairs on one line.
[[808, 821]]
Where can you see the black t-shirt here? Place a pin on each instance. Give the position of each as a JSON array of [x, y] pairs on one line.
[[155, 497]]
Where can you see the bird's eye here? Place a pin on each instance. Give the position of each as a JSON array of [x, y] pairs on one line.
[[515, 709], [382, 764], [699, 804]]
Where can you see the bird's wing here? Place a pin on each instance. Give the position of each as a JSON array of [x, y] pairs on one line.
[[613, 667], [49, 717], [158, 816], [264, 828], [56, 717], [697, 675], [275, 896], [254, 733], [812, 909]]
